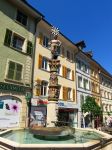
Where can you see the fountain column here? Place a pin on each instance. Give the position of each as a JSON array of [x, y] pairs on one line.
[[53, 93]]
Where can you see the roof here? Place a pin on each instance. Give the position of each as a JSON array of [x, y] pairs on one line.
[[25, 2]]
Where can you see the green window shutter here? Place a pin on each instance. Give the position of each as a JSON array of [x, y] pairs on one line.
[[8, 36], [18, 72], [29, 48], [11, 70]]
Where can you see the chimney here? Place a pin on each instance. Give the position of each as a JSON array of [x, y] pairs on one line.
[[81, 45]]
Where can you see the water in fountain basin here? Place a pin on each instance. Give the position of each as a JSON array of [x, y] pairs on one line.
[[25, 137]]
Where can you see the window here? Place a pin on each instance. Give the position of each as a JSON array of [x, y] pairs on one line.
[[44, 85], [85, 83], [68, 73], [92, 72], [45, 41], [22, 18], [63, 51], [58, 70], [17, 42], [69, 94], [93, 86], [79, 82], [68, 55], [78, 64], [44, 63], [14, 71]]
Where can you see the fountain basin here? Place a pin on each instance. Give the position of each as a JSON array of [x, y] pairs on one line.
[[24, 140]]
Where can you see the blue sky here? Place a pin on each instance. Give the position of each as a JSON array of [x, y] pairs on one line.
[[88, 20]]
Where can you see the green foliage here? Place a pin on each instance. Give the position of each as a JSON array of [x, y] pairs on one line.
[[91, 106]]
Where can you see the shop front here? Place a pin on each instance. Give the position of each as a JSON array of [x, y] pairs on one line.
[[13, 106], [10, 108], [67, 114]]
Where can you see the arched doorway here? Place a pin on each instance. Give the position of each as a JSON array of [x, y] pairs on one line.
[[10, 108]]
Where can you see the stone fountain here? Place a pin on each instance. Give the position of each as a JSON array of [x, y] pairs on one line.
[[52, 132]]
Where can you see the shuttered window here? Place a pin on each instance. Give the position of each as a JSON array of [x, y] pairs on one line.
[[63, 70], [73, 75], [38, 88], [64, 93], [8, 35], [73, 94], [29, 48], [14, 71], [40, 38], [40, 62]]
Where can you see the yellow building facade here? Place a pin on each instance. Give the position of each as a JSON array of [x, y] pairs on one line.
[[66, 75], [95, 83]]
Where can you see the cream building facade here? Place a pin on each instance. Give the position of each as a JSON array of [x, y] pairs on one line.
[[106, 95]]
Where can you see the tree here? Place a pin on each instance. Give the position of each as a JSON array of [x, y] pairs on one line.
[[91, 107]]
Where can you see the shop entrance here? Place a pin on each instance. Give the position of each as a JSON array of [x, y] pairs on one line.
[[65, 117]]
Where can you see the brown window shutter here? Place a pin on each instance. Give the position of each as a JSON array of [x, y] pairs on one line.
[[73, 94], [73, 75], [63, 69], [38, 90], [40, 38], [63, 93], [66, 94], [65, 72], [40, 61]]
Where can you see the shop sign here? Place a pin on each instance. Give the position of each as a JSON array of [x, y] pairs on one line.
[[38, 102], [12, 87], [62, 104]]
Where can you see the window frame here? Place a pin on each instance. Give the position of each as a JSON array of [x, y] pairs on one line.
[[45, 43], [44, 63], [7, 70], [44, 88], [69, 92], [68, 73], [19, 37]]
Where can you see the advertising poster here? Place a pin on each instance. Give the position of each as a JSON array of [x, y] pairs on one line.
[[9, 113], [38, 116]]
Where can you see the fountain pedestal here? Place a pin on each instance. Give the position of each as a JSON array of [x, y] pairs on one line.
[[52, 106]]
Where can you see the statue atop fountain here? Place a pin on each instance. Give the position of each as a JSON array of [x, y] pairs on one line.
[[54, 43]]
